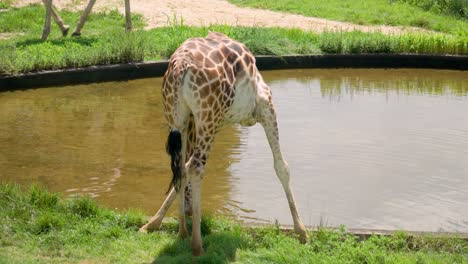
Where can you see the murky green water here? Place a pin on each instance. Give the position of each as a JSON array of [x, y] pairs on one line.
[[366, 148]]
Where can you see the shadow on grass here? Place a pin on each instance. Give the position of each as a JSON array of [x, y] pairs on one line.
[[220, 247], [83, 41]]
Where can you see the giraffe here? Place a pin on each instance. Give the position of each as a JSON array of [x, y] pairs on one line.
[[50, 10], [212, 82]]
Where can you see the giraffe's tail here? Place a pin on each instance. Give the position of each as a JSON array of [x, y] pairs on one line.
[[174, 149]]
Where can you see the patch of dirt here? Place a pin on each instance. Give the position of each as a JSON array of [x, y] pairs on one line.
[[7, 35], [205, 12]]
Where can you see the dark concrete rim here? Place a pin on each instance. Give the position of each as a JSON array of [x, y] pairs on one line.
[[121, 72], [365, 233]]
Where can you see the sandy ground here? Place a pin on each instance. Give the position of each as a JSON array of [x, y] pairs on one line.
[[206, 12], [6, 35]]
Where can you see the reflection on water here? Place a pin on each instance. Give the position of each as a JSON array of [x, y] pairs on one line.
[[104, 140], [366, 148]]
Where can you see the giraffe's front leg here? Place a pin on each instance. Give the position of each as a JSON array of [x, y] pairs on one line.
[[64, 28], [48, 13], [269, 123], [83, 18]]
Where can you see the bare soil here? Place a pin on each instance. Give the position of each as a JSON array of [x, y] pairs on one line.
[[7, 35], [206, 12]]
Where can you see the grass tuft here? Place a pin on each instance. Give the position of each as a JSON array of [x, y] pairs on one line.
[[42, 199], [133, 219], [46, 222], [4, 4], [357, 42], [84, 207]]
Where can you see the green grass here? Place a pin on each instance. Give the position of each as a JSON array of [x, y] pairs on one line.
[[29, 20], [365, 12], [358, 42], [457, 8], [37, 226], [119, 47], [105, 42], [4, 4]]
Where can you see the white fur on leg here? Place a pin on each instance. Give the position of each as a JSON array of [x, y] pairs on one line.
[[197, 246], [281, 167], [282, 171], [183, 233], [155, 222]]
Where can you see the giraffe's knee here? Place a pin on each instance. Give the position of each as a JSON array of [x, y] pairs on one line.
[[188, 199], [195, 167]]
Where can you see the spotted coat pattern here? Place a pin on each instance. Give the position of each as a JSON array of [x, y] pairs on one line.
[[212, 82]]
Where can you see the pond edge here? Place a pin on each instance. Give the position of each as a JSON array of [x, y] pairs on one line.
[[365, 233], [130, 71]]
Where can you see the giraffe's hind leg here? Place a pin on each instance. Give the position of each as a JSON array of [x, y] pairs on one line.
[[183, 232], [191, 137], [155, 222], [205, 133], [176, 147], [269, 122]]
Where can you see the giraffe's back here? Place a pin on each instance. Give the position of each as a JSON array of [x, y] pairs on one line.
[[215, 76]]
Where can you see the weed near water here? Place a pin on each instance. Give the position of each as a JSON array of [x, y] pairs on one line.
[[41, 227], [358, 42], [160, 43]]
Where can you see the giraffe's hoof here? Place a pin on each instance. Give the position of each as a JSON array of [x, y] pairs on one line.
[[65, 30], [45, 35], [302, 232], [143, 230], [304, 238], [76, 34]]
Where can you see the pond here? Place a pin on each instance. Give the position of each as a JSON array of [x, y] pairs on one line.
[[367, 148]]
